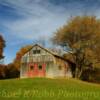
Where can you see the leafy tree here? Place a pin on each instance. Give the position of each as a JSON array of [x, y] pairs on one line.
[[2, 45], [8, 71], [19, 54], [11, 71], [82, 35], [2, 67], [2, 71]]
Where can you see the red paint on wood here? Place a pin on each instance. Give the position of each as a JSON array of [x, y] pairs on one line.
[[36, 72]]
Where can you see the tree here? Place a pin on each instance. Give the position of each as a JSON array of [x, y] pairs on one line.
[[11, 71], [19, 54], [8, 71], [2, 45], [82, 35], [2, 71]]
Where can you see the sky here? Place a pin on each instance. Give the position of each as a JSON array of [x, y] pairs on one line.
[[25, 22]]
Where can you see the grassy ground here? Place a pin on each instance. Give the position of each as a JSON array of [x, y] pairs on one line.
[[48, 89]]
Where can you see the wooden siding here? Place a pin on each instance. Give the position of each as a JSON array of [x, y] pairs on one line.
[[51, 66], [59, 68]]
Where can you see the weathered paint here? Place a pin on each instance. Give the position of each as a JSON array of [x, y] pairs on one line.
[[36, 72], [51, 65]]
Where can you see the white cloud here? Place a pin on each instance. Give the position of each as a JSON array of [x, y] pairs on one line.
[[38, 19]]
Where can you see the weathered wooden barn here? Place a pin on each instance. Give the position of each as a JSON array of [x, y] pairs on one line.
[[41, 62]]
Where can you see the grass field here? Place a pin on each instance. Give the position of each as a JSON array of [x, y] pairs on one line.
[[48, 89]]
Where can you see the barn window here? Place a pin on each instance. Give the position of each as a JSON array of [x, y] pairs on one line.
[[36, 51], [40, 67], [31, 67]]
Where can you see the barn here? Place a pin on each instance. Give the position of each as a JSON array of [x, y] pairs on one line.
[[41, 62]]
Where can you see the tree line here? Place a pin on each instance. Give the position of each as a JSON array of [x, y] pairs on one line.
[[81, 36], [6, 71]]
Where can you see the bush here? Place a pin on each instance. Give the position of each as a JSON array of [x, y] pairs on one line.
[[8, 71]]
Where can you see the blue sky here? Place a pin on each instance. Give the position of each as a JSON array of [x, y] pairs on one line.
[[24, 22]]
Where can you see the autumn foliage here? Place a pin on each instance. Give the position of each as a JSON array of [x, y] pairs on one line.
[[2, 45], [19, 54], [82, 35]]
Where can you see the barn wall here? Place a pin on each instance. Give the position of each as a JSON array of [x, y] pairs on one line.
[[35, 60], [23, 70], [52, 66], [50, 69], [58, 68], [62, 68]]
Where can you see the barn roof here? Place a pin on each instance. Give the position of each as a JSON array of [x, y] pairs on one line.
[[52, 53]]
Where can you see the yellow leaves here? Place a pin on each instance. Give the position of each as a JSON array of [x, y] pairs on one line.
[[76, 45], [80, 28], [19, 54], [89, 52], [90, 55], [83, 25], [23, 50], [81, 33]]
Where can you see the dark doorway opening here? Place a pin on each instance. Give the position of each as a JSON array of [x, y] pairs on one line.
[[31, 67], [40, 67]]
